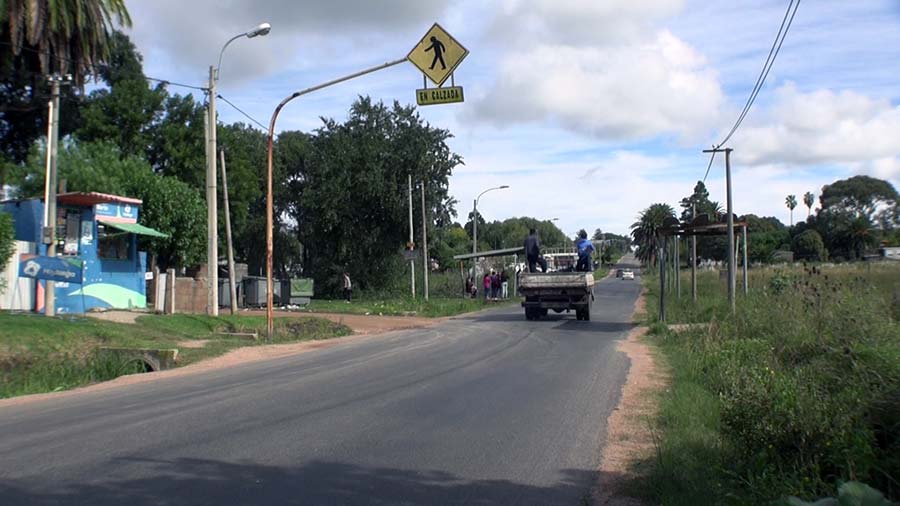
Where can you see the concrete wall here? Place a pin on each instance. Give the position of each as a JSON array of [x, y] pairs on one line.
[[21, 297]]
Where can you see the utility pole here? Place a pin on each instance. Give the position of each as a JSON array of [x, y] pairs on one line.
[[475, 228], [231, 283], [425, 240], [412, 261], [744, 243], [677, 266], [694, 256], [730, 211], [662, 279], [212, 211], [50, 203]]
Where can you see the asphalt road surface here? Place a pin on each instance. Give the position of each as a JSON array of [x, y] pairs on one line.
[[486, 409]]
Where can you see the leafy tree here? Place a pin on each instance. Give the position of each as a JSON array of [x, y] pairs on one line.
[[808, 200], [170, 206], [176, 209], [41, 37], [598, 235], [791, 202], [645, 231], [59, 37], [124, 112], [699, 200], [765, 235], [808, 246], [850, 210], [874, 199], [350, 191], [707, 247]]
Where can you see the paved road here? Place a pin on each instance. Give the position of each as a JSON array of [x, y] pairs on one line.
[[484, 409]]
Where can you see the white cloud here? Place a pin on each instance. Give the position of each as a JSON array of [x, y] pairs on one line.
[[823, 127], [600, 69], [187, 36]]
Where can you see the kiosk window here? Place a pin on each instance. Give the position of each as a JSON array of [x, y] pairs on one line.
[[113, 244]]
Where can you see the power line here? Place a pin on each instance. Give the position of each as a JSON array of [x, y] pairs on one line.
[[770, 61], [786, 22], [238, 109], [172, 83]]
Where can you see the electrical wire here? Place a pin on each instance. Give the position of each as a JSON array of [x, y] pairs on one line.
[[238, 109], [786, 22], [770, 61]]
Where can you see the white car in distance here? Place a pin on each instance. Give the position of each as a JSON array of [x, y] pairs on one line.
[[627, 274]]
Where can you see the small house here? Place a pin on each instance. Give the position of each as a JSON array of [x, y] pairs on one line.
[[96, 234]]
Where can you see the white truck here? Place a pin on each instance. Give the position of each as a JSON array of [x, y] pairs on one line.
[[559, 291]]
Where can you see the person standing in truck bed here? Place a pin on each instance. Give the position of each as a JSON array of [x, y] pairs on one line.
[[533, 252], [585, 252]]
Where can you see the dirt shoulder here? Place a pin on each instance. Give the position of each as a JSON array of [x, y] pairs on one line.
[[363, 327], [629, 438]]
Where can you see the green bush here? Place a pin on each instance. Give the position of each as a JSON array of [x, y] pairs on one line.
[[808, 245]]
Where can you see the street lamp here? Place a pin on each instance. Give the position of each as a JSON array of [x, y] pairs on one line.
[[475, 217], [212, 205]]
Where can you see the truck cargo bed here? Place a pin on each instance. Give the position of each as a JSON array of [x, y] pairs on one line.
[[559, 291]]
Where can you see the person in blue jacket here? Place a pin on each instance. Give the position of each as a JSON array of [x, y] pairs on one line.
[[585, 252]]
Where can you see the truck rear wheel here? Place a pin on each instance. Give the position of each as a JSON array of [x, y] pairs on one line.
[[586, 314]]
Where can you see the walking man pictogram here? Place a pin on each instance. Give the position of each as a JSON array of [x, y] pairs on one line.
[[439, 49]]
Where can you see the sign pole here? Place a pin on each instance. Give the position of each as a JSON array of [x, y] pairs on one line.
[[270, 323]]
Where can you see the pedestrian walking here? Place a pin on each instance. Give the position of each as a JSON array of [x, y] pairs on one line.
[[348, 287], [486, 283], [504, 284], [495, 285]]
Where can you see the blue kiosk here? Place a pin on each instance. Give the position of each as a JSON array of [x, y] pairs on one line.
[[98, 264]]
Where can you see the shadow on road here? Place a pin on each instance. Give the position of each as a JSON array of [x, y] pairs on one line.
[[198, 481], [594, 326]]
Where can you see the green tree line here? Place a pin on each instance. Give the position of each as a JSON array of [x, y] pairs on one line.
[[856, 215]]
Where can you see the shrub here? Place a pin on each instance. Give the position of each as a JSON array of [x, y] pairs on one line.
[[808, 245]]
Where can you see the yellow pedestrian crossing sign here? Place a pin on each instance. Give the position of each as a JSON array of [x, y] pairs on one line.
[[437, 55]]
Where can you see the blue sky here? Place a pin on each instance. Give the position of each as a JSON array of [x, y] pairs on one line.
[[589, 110]]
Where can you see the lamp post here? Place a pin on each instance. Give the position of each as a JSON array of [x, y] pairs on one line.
[[475, 217], [212, 205]]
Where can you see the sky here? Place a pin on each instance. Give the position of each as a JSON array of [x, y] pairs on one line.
[[589, 110]]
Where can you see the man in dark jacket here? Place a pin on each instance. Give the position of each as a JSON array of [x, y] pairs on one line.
[[533, 252]]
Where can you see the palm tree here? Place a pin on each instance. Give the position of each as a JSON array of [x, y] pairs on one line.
[[59, 36], [809, 199], [791, 203], [645, 230]]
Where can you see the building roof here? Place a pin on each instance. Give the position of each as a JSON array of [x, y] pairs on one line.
[[93, 198]]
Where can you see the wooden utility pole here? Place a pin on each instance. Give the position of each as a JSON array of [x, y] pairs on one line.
[[662, 279], [694, 257], [231, 282]]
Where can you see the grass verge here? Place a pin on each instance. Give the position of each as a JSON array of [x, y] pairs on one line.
[[39, 354], [794, 394]]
